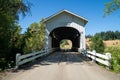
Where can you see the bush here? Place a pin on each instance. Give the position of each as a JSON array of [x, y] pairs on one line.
[[6, 64], [115, 52], [2, 63], [97, 44]]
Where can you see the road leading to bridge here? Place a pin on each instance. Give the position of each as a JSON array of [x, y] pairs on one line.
[[63, 66]]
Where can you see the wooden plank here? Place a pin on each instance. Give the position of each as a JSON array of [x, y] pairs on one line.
[[98, 55], [26, 60], [30, 59], [31, 54], [93, 57], [102, 56], [99, 60], [103, 62]]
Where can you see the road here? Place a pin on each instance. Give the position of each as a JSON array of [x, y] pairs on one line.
[[62, 66]]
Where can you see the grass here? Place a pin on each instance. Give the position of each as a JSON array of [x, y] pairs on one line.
[[113, 47], [111, 43], [115, 52]]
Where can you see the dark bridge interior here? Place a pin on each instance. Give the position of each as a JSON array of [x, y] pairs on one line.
[[61, 33]]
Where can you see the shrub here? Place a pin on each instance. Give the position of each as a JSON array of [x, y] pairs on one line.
[[2, 63], [115, 52], [97, 44]]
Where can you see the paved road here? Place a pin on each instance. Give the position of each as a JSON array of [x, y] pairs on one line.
[[63, 66]]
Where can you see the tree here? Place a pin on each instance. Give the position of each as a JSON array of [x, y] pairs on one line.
[[111, 6], [9, 16], [88, 36], [109, 35], [117, 33], [15, 43], [10, 10], [97, 44], [35, 41]]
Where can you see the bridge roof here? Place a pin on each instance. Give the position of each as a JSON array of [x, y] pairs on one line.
[[62, 11]]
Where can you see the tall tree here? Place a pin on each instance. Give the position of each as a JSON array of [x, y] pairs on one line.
[[9, 16], [109, 35]]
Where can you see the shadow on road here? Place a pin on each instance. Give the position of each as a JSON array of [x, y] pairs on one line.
[[56, 57], [72, 57]]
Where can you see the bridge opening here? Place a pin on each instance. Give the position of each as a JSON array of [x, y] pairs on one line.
[[61, 33], [65, 44]]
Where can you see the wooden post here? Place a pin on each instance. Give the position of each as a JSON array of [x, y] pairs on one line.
[[84, 52], [17, 60], [33, 55], [109, 59], [94, 59]]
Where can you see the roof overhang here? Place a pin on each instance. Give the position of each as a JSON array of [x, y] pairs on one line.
[[62, 11]]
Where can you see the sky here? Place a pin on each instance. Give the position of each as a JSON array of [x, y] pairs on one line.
[[92, 10]]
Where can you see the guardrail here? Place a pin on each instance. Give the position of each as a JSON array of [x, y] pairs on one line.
[[101, 58], [22, 59]]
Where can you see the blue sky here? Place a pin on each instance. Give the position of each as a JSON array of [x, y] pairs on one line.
[[92, 10]]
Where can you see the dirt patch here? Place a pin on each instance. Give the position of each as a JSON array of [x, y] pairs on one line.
[[3, 74]]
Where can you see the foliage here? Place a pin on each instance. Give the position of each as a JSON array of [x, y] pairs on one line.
[[9, 30], [108, 35], [65, 44], [88, 36], [97, 44], [115, 52], [31, 40], [111, 6], [9, 49], [35, 41], [2, 63]]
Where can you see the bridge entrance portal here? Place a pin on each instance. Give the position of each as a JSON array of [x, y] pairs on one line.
[[65, 25], [61, 33]]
